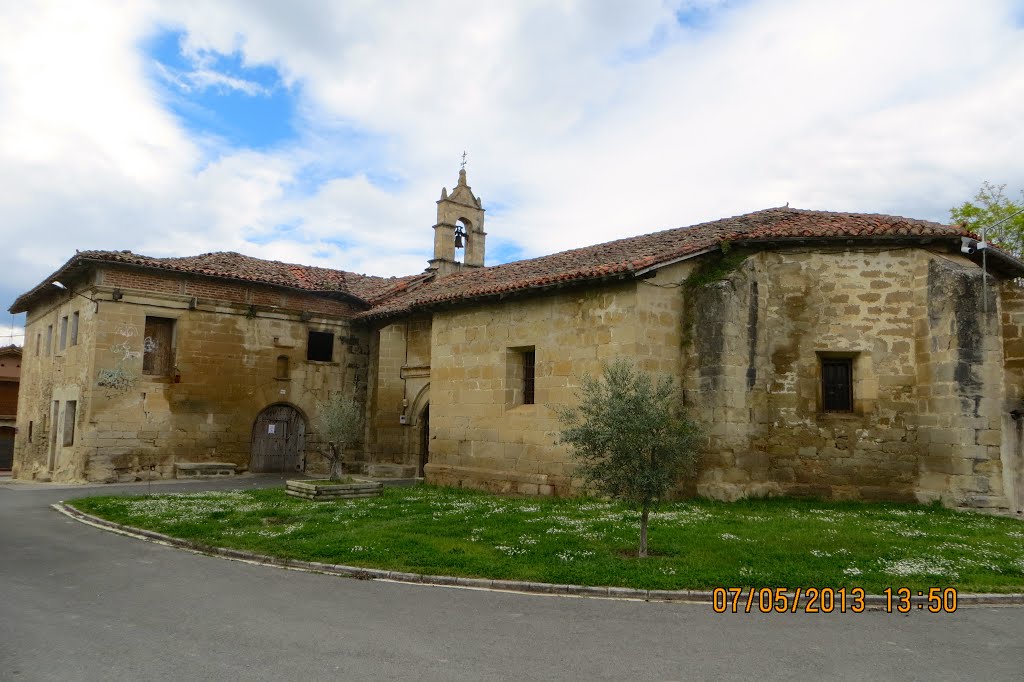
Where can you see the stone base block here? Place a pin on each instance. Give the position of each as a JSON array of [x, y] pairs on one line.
[[391, 470], [203, 469]]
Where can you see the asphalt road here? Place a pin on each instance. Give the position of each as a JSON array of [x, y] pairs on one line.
[[79, 603]]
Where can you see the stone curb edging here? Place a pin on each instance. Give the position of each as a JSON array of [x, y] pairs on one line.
[[362, 573]]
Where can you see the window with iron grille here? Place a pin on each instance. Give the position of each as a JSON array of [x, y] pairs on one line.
[[837, 384], [529, 376]]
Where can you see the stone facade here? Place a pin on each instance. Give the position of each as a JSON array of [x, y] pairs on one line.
[[237, 349], [848, 356], [928, 391]]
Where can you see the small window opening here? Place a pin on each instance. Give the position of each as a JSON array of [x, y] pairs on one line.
[[30, 425], [320, 346], [282, 367], [529, 376], [69, 422], [74, 329], [39, 343], [837, 384], [158, 347], [63, 332], [49, 340], [520, 376]]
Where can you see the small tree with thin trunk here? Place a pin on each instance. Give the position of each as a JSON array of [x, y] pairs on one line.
[[631, 438], [339, 423]]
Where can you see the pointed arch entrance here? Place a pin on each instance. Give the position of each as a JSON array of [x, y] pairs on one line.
[[278, 440], [421, 421], [424, 439]]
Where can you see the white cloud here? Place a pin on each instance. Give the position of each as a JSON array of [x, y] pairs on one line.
[[583, 121]]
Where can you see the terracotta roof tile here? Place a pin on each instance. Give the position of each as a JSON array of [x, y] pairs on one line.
[[236, 266], [387, 297], [627, 256]]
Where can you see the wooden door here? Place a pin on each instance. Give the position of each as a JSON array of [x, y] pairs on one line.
[[6, 447], [424, 440], [278, 441]]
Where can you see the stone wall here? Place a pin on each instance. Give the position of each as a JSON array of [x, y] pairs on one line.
[[1011, 300], [927, 390], [401, 356], [482, 435], [228, 343]]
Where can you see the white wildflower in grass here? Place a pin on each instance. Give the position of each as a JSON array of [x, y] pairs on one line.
[[1014, 534], [843, 551], [820, 554], [527, 540], [927, 565], [668, 570], [745, 571], [729, 536], [554, 530], [358, 548], [852, 571], [530, 509], [474, 535], [570, 555], [510, 551]]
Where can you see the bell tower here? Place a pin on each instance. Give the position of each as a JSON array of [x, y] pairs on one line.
[[459, 228]]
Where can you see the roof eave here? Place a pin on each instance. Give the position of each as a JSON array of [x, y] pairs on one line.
[[23, 302]]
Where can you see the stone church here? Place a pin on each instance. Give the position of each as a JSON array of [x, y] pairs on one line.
[[846, 356]]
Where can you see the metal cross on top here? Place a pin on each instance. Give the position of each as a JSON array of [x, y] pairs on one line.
[[463, 159]]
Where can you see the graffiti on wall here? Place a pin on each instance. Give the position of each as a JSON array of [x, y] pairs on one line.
[[121, 378]]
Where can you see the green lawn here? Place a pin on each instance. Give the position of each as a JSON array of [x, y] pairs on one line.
[[695, 544]]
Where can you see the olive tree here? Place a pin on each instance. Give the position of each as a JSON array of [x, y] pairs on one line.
[[631, 438], [339, 422]]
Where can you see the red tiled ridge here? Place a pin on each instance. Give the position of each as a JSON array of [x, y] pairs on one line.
[[236, 266], [626, 256], [386, 297]]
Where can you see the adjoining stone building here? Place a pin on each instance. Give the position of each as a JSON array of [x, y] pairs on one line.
[[10, 376], [832, 354]]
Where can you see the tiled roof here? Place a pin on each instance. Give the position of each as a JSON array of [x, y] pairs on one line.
[[628, 256], [236, 266], [387, 297]]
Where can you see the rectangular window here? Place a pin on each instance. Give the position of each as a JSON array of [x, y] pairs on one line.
[[520, 376], [74, 329], [63, 333], [320, 346], [30, 432], [529, 375], [49, 340], [70, 407], [39, 342], [837, 384], [158, 347]]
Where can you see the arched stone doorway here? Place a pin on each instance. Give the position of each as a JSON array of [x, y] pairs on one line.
[[424, 439], [278, 441]]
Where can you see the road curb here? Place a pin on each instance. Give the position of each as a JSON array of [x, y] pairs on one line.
[[363, 573]]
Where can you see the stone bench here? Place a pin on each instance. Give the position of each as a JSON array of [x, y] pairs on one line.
[[203, 469]]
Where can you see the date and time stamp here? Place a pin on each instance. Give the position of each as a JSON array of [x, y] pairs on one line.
[[831, 600]]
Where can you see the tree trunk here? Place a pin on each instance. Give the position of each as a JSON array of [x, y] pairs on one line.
[[644, 515], [335, 458]]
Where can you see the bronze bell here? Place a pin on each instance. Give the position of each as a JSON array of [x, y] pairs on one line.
[[458, 238]]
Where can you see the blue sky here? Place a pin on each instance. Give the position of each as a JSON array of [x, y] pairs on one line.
[[323, 133], [219, 96]]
